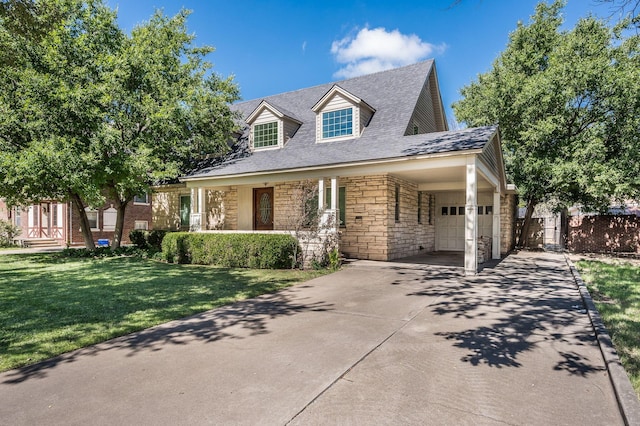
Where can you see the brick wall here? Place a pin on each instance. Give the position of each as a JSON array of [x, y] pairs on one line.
[[132, 213], [605, 233]]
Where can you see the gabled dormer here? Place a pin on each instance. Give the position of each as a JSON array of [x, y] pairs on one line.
[[341, 115], [271, 126]]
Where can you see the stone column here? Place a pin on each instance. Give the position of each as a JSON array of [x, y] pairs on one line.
[[471, 219], [495, 246], [321, 194]]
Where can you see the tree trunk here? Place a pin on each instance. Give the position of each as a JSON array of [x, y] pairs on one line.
[[117, 232], [523, 238], [84, 222]]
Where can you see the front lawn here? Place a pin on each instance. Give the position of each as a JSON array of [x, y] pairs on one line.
[[51, 304], [615, 289]]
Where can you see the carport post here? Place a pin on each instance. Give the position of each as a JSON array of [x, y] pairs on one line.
[[471, 219]]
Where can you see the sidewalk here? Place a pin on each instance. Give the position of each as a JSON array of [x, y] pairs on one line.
[[376, 343]]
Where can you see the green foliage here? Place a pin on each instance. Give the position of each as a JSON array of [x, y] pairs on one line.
[[146, 239], [334, 259], [51, 304], [8, 232], [103, 252], [615, 288], [85, 107], [263, 251], [568, 106]]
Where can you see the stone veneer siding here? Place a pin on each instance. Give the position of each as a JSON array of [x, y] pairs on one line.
[[508, 216], [221, 207], [371, 231]]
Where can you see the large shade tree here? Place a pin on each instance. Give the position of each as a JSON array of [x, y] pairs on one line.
[[567, 102], [87, 110]]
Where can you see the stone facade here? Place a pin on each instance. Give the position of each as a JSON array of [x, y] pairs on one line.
[[221, 208], [371, 231], [508, 216]]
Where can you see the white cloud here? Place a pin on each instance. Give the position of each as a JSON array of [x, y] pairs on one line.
[[373, 50]]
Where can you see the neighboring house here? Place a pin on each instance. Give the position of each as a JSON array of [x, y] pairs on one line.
[[378, 146], [57, 223]]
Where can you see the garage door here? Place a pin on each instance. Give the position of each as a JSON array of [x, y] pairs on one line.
[[450, 217]]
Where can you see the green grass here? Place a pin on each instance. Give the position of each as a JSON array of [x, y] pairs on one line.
[[50, 305], [615, 289]]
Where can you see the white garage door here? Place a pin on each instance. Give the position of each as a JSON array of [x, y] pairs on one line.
[[450, 215]]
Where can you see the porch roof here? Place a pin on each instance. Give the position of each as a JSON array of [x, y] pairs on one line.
[[371, 147]]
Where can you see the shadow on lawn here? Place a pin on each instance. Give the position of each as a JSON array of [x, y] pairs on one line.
[[238, 321], [510, 309]]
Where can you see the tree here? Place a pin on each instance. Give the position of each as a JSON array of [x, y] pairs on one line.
[[54, 60], [164, 111], [87, 110], [566, 103]]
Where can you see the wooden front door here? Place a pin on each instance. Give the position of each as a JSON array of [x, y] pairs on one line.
[[263, 209]]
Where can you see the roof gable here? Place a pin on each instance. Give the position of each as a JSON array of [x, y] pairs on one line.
[[335, 91], [278, 112]]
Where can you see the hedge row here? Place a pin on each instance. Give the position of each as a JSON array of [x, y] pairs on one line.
[[264, 251], [147, 239]]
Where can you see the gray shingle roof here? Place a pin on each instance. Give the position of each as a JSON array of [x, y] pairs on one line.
[[392, 93]]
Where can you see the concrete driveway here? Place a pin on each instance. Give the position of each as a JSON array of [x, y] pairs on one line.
[[376, 343]]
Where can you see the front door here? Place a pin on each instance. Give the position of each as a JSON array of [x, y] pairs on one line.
[[185, 211], [263, 209]]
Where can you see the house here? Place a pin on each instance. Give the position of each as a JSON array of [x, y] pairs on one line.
[[54, 223], [387, 168]]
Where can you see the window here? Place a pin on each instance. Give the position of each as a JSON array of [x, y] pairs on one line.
[[337, 123], [416, 130], [18, 217], [445, 211], [141, 224], [265, 135], [185, 211], [397, 203], [488, 210], [419, 207], [453, 211], [341, 203], [461, 211], [141, 199], [480, 209], [92, 216]]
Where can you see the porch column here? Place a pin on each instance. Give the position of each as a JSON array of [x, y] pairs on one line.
[[321, 195], [334, 203], [495, 246], [471, 219], [201, 208]]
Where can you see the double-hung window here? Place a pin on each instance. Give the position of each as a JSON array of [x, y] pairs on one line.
[[265, 135], [337, 123]]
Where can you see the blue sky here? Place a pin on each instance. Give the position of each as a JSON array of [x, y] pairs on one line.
[[277, 46]]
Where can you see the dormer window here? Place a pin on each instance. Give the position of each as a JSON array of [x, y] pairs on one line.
[[341, 115], [271, 126], [337, 123], [265, 135]]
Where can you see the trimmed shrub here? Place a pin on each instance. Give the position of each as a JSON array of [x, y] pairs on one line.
[[261, 251], [138, 238], [147, 239]]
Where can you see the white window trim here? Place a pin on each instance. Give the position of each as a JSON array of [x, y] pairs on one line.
[[145, 222], [138, 203], [354, 132], [88, 209], [279, 137]]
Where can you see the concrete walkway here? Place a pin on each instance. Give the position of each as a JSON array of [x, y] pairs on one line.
[[377, 343]]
